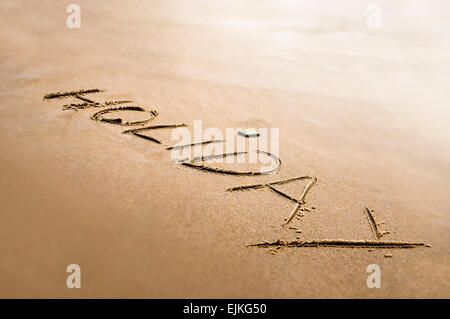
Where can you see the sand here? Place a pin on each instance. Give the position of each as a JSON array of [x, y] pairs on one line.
[[362, 112]]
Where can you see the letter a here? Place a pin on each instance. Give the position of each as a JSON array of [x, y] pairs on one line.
[[74, 279], [374, 16], [73, 20], [374, 279]]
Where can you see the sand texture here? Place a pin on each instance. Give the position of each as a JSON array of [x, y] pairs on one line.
[[362, 176]]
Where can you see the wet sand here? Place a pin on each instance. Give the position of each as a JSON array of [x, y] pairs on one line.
[[363, 112]]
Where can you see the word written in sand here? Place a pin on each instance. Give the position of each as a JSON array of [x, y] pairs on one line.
[[193, 163], [272, 186], [377, 243], [142, 127], [215, 153]]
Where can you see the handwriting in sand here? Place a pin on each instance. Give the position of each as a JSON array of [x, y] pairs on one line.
[[108, 107]]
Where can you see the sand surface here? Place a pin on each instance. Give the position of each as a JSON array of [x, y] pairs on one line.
[[364, 111]]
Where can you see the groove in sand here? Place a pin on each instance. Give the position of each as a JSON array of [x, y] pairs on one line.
[[282, 194], [153, 127], [301, 201], [57, 95], [98, 115], [257, 186], [227, 171], [136, 131], [373, 224], [85, 105], [85, 99], [340, 244], [179, 147]]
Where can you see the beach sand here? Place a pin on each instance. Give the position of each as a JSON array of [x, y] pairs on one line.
[[363, 111]]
